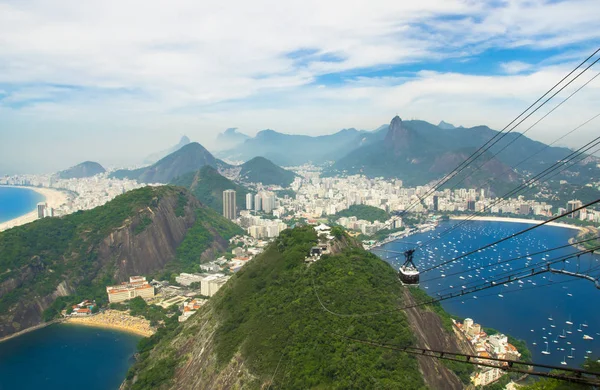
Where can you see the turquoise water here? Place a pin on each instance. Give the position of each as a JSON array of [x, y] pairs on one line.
[[15, 202], [66, 357], [519, 309]]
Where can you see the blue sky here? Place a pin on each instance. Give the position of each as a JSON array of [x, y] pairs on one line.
[[113, 81]]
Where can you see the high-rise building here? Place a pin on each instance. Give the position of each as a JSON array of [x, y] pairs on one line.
[[249, 199], [436, 203], [572, 205], [229, 207], [41, 209], [471, 205], [257, 202]]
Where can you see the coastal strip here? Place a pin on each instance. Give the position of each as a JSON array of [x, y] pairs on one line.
[[114, 319], [53, 197], [31, 329], [515, 220]]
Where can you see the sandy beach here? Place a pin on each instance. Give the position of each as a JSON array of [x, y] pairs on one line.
[[114, 319], [54, 198], [517, 220]]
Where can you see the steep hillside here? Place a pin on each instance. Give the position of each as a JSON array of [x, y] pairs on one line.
[[261, 170], [368, 213], [266, 329], [85, 169], [208, 185], [189, 158], [143, 231], [154, 157]]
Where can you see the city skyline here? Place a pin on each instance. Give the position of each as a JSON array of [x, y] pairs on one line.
[[134, 77]]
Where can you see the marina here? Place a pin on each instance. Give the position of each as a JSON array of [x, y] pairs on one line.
[[547, 311]]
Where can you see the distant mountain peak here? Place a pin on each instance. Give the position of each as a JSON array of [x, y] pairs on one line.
[[446, 126], [184, 140], [398, 136], [85, 169]]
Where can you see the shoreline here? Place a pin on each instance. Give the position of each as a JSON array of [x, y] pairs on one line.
[[516, 220], [53, 197], [115, 320], [35, 327]]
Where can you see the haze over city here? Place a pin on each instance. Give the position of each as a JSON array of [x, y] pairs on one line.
[[113, 82]]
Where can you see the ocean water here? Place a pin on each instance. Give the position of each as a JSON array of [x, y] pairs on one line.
[[522, 310], [66, 357], [15, 202]]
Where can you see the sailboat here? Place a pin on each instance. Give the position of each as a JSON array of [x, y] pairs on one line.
[[564, 362], [555, 341], [562, 336], [546, 352], [571, 355], [569, 322], [585, 325], [579, 330]]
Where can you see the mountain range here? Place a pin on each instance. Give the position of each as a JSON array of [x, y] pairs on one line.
[[290, 150], [230, 138], [85, 169]]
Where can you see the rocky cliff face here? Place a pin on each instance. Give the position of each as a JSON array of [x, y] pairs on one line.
[[142, 244], [150, 250]]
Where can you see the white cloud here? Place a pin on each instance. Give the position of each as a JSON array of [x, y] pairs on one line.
[[152, 68]]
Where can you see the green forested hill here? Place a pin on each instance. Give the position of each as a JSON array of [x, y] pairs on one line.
[[261, 170], [208, 185], [49, 263], [265, 327], [361, 211]]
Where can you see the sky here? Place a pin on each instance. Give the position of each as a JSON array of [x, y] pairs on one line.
[[114, 81]]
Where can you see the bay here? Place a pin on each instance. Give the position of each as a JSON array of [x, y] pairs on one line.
[[15, 202], [66, 357], [522, 310]]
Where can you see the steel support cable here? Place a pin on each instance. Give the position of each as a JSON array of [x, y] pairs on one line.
[[509, 260], [483, 286], [500, 262], [519, 135], [577, 374], [542, 285], [438, 185], [512, 236], [462, 165], [541, 175], [524, 268]]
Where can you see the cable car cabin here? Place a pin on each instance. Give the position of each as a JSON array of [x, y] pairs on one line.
[[408, 272]]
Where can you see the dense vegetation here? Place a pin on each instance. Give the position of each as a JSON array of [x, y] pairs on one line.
[[85, 169], [55, 249], [208, 185], [197, 240], [261, 170], [361, 211], [269, 313]]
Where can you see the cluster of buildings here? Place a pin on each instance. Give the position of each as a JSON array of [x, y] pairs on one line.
[[84, 193], [137, 286], [43, 211], [369, 228], [486, 346], [82, 309], [583, 214], [259, 227], [209, 284], [264, 201], [190, 307]]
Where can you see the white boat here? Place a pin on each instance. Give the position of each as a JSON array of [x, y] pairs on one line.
[[562, 336], [546, 352], [564, 362], [580, 330], [586, 337]]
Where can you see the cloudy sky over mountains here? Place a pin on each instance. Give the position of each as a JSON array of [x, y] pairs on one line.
[[115, 80]]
